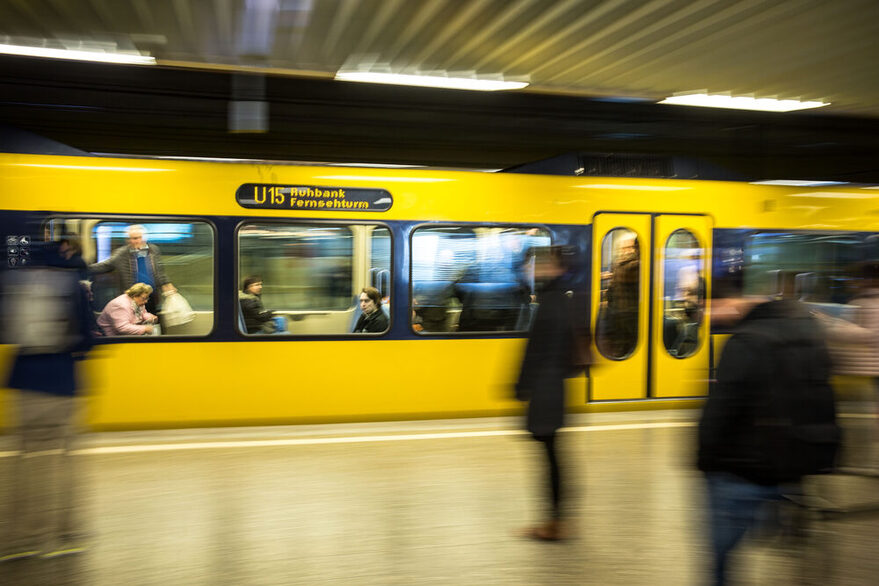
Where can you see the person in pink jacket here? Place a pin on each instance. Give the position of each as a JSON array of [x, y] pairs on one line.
[[126, 315]]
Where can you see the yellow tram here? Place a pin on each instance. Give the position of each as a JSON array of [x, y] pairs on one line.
[[447, 250]]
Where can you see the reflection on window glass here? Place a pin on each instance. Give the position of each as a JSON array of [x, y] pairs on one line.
[[312, 277], [472, 279], [683, 294], [813, 266], [616, 332], [380, 261], [302, 267], [164, 256]]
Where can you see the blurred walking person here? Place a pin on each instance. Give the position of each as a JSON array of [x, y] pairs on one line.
[[45, 314], [855, 348], [554, 352], [769, 420]]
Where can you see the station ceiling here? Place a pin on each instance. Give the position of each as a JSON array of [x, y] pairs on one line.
[[596, 69]]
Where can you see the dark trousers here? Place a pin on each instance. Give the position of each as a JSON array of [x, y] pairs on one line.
[[555, 473], [735, 505]]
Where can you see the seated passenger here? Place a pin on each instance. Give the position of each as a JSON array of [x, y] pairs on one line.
[[126, 315], [373, 319], [257, 319]]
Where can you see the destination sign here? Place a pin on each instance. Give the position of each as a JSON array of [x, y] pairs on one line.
[[312, 198]]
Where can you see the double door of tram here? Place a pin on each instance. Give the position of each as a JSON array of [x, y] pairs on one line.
[[650, 292]]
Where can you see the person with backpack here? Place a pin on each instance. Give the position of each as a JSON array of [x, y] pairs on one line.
[[769, 420], [45, 315]]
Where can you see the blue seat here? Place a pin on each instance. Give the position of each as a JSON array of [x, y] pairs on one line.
[[277, 320]]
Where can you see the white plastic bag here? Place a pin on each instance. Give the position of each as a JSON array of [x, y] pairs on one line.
[[176, 310]]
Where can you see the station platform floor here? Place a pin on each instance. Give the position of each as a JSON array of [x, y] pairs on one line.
[[428, 502]]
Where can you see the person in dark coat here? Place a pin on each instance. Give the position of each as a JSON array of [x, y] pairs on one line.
[[46, 315], [548, 361], [372, 319], [257, 319], [70, 252], [739, 460]]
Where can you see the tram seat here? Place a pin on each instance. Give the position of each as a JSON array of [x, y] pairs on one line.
[[432, 304], [489, 306]]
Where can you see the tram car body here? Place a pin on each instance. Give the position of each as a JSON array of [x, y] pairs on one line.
[[448, 251]]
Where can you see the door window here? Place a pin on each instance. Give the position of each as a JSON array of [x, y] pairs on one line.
[[616, 333], [683, 294]]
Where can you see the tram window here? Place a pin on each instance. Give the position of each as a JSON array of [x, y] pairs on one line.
[[683, 294], [816, 267], [185, 258], [312, 274], [616, 334], [472, 279]]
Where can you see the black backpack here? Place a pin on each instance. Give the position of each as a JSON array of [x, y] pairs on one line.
[[796, 419]]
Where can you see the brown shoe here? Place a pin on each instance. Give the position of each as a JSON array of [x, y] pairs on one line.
[[549, 531]]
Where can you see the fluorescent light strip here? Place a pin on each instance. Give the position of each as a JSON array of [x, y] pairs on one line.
[[798, 183], [383, 179], [458, 83], [834, 195], [630, 187], [91, 168], [741, 103], [129, 58]]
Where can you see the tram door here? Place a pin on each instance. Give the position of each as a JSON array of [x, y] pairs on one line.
[[649, 306]]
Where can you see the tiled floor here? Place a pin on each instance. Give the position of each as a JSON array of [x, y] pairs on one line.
[[419, 503]]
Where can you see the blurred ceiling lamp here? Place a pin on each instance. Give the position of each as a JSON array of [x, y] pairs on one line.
[[437, 81], [101, 56], [741, 102]]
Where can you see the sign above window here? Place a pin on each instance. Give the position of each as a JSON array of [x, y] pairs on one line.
[[308, 197]]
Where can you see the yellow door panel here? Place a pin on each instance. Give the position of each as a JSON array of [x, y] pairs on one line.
[[620, 371], [681, 295]]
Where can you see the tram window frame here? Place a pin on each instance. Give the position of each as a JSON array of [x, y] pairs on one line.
[[667, 299], [132, 220], [308, 222], [517, 332]]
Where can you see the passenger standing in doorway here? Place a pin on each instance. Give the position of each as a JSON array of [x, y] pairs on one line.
[[137, 262], [551, 356], [623, 296]]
